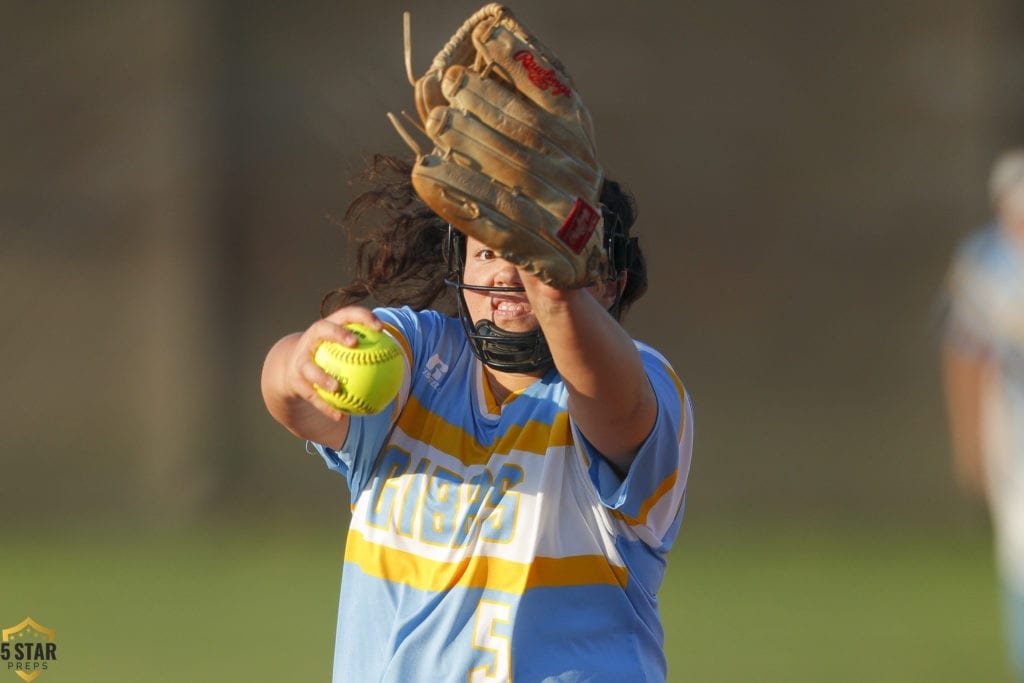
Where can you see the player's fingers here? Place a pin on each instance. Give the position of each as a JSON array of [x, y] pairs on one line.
[[327, 330], [355, 314], [308, 391], [308, 386], [327, 409], [311, 397], [313, 374]]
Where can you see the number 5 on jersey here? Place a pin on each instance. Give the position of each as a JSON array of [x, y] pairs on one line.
[[490, 634]]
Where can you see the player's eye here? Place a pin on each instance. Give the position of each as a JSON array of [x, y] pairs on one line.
[[485, 255]]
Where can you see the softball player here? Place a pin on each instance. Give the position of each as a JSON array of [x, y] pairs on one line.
[[514, 507], [984, 378]]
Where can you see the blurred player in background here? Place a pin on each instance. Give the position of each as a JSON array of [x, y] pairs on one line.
[[983, 367]]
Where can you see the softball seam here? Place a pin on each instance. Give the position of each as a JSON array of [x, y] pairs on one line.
[[357, 356], [345, 399]]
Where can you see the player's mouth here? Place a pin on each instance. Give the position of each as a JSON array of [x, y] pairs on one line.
[[510, 308]]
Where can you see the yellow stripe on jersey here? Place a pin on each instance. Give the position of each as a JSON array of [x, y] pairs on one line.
[[536, 437], [493, 408], [533, 437], [480, 571], [489, 398], [682, 399], [664, 487], [670, 481]]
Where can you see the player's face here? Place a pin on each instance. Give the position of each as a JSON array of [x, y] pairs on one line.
[[1011, 211], [508, 310]]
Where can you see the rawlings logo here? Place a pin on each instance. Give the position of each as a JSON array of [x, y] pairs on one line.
[[579, 226], [539, 76]]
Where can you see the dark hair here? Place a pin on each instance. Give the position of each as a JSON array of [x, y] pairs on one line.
[[400, 254]]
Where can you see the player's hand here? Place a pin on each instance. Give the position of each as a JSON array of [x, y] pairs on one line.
[[545, 298], [300, 372]]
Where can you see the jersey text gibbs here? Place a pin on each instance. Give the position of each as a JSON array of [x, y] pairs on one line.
[[439, 507]]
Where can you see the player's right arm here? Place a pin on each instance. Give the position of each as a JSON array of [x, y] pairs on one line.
[[289, 374], [965, 375]]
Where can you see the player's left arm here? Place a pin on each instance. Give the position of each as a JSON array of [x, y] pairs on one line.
[[610, 396], [965, 377]]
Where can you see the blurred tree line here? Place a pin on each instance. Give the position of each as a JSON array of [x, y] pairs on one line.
[[174, 173]]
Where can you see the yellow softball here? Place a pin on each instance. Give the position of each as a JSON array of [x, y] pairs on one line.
[[370, 374]]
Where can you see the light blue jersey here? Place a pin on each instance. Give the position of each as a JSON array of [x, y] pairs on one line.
[[492, 542], [986, 288]]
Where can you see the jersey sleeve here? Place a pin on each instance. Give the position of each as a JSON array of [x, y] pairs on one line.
[[414, 332], [972, 295], [650, 499]]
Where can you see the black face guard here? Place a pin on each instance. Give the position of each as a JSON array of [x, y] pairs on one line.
[[524, 352]]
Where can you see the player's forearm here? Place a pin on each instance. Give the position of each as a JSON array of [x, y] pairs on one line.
[[290, 408], [963, 378], [610, 397]]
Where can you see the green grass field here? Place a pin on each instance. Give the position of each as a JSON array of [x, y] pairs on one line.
[[771, 602]]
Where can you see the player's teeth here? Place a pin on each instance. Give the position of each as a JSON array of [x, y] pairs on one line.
[[510, 306]]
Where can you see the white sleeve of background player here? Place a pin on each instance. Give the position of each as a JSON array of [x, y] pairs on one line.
[[973, 291], [366, 435], [650, 499]]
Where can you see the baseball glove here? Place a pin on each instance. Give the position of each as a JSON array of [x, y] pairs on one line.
[[514, 162]]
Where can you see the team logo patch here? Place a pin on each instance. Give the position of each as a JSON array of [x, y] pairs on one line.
[[579, 226], [28, 649], [539, 76], [435, 371]]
